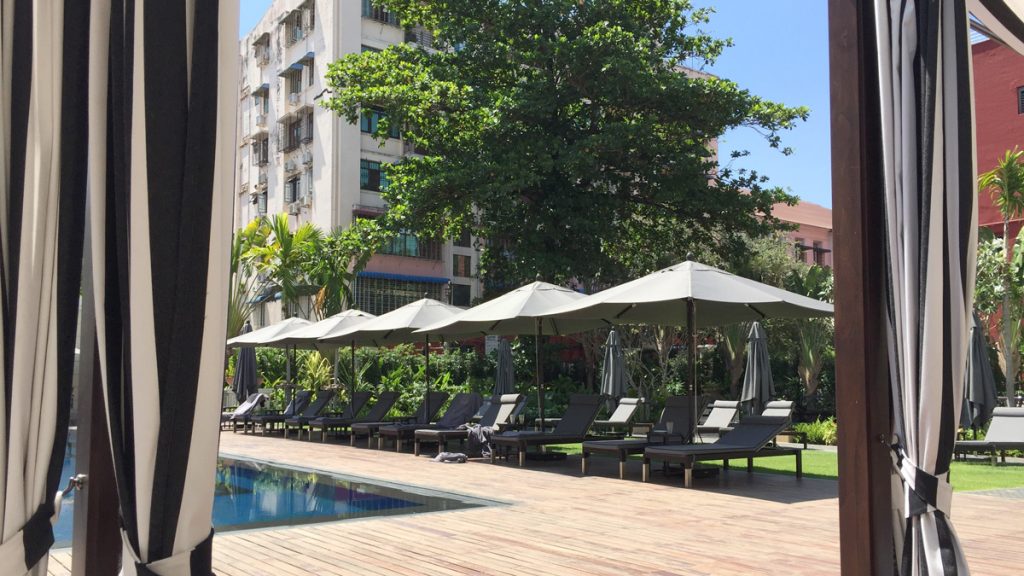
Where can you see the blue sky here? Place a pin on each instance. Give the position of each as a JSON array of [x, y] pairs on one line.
[[781, 54]]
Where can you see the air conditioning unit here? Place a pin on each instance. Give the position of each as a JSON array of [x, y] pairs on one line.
[[289, 166], [261, 120], [293, 98], [307, 158], [263, 181], [254, 198], [306, 200], [293, 208]]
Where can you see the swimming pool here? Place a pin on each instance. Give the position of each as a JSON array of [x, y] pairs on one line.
[[253, 494]]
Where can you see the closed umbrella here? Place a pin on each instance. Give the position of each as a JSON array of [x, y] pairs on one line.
[[396, 327], [979, 383], [518, 313], [505, 375], [614, 377], [758, 385], [245, 369], [674, 295], [273, 336]]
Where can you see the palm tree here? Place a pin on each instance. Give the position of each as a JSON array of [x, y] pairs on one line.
[[1005, 183], [282, 258], [242, 281], [332, 264]]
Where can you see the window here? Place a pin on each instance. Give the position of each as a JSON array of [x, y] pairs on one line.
[[292, 135], [461, 265], [463, 239], [309, 182], [261, 152], [261, 204], [261, 103], [310, 72], [370, 119], [819, 254], [371, 176], [798, 250], [380, 296], [411, 246], [295, 82], [460, 294], [307, 127], [1020, 100], [366, 48], [291, 189], [379, 14]]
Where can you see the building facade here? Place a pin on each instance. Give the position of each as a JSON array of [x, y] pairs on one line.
[[812, 238], [297, 157], [999, 115]]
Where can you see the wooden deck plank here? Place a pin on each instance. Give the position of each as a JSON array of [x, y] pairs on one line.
[[556, 522]]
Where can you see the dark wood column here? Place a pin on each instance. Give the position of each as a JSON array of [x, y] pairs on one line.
[[862, 389]]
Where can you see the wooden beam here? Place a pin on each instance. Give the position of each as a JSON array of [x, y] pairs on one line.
[[862, 390]]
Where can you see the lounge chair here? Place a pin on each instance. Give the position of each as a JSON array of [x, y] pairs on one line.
[[359, 400], [622, 417], [672, 428], [573, 427], [483, 409], [434, 401], [460, 410], [1006, 432], [723, 414], [267, 420], [502, 411], [749, 439], [323, 398], [244, 409], [385, 402]]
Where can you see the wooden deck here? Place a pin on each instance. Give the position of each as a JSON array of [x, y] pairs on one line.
[[560, 523]]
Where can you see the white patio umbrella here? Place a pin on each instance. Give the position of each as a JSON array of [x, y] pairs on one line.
[[517, 313], [273, 337], [309, 336], [674, 295], [396, 327]]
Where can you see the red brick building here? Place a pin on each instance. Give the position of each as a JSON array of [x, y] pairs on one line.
[[999, 112]]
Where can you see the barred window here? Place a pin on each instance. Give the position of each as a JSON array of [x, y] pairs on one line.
[[412, 246], [380, 296], [462, 265]]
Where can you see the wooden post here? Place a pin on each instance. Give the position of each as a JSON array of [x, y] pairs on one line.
[[862, 387], [96, 543]]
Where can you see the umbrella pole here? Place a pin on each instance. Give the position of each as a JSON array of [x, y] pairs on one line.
[[691, 345], [538, 376], [352, 381], [287, 375], [426, 377]]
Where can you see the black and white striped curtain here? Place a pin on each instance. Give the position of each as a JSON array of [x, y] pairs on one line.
[[43, 67], [925, 91], [162, 99], [126, 107]]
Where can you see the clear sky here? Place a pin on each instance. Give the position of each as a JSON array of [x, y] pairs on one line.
[[780, 53]]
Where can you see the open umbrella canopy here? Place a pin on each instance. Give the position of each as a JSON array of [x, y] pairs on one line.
[[720, 297], [979, 382], [758, 384], [309, 336], [395, 327], [266, 335], [515, 313]]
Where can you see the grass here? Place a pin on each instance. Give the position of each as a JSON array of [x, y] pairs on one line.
[[965, 476]]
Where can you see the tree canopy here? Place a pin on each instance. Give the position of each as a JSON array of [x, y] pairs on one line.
[[568, 134]]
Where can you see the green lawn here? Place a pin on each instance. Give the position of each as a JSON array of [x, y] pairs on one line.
[[966, 476]]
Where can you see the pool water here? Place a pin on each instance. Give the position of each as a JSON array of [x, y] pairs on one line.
[[253, 494]]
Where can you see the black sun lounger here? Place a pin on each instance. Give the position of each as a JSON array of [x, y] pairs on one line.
[[460, 410], [323, 398], [369, 428], [242, 411], [672, 428], [573, 427], [359, 400], [1006, 432], [749, 439], [502, 411], [385, 402], [299, 403]]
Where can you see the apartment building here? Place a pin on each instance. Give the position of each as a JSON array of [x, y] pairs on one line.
[[297, 157], [812, 238]]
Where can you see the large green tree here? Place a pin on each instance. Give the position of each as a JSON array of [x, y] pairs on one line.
[[566, 133]]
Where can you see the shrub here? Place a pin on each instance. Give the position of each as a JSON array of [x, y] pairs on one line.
[[820, 431]]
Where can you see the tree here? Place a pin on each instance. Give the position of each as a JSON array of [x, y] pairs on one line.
[[1005, 183], [815, 335], [243, 278], [282, 258], [332, 264], [565, 133]]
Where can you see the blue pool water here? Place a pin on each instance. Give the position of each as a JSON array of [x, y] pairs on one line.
[[251, 494]]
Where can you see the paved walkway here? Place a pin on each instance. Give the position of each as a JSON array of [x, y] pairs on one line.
[[561, 523]]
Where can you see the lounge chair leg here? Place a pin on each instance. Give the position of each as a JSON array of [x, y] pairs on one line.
[[416, 447], [493, 452], [286, 427], [583, 463], [688, 475], [622, 467], [799, 464], [522, 456], [750, 465], [398, 444], [352, 439], [725, 464], [993, 457], [646, 470]]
